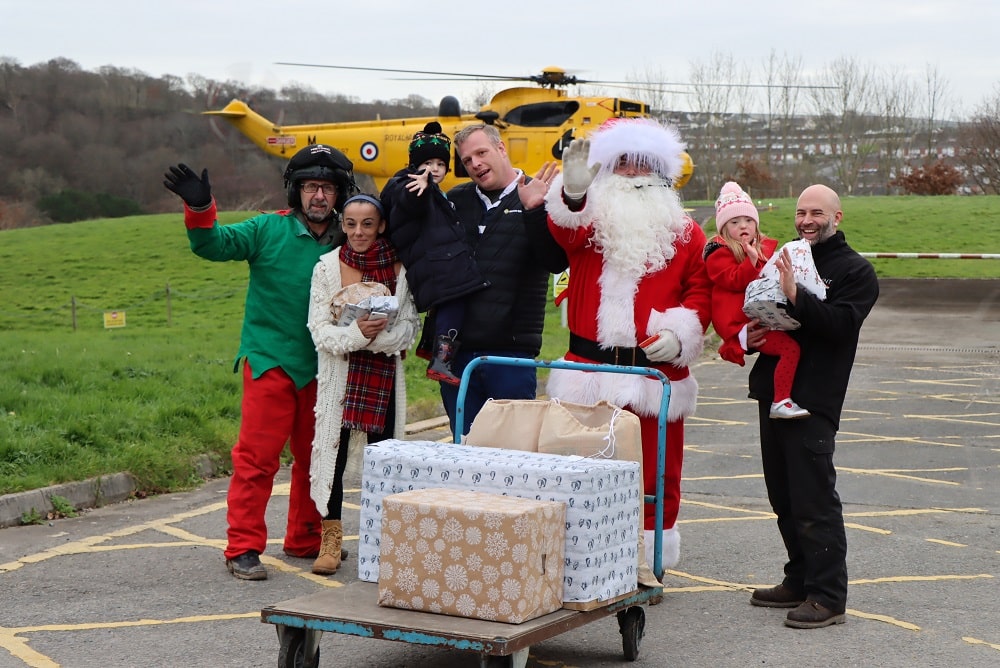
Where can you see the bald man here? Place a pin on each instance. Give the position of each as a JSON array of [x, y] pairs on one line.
[[797, 455]]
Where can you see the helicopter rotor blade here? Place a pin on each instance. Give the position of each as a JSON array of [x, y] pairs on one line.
[[498, 77], [547, 78]]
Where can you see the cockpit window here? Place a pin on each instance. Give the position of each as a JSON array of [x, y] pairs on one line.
[[542, 114]]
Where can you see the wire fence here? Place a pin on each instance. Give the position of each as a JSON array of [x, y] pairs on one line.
[[75, 312]]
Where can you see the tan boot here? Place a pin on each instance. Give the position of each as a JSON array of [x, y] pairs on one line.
[[328, 560]]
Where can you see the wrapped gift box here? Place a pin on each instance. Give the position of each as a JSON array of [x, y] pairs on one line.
[[765, 301], [471, 554], [602, 497]]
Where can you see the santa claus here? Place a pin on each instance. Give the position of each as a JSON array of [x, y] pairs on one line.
[[636, 273]]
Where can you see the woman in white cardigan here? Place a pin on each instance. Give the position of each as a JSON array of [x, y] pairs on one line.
[[361, 389]]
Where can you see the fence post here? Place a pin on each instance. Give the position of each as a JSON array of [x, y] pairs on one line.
[[72, 301], [169, 309]]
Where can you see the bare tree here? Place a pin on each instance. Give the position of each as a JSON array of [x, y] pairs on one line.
[[893, 96], [783, 77], [934, 103], [843, 116], [979, 142], [710, 99]]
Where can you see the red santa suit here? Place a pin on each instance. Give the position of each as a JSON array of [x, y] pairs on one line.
[[624, 287]]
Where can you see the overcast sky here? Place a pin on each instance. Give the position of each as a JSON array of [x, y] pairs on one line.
[[242, 40]]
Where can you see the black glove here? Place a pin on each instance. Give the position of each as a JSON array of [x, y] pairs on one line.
[[196, 192]]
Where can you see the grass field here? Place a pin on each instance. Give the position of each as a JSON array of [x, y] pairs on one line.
[[78, 400]]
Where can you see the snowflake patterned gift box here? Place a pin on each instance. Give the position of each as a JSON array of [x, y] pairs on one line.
[[471, 554], [603, 505]]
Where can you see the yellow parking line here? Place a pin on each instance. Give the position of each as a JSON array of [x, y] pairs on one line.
[[892, 473], [959, 419], [976, 641], [18, 648], [921, 578], [944, 542], [90, 626], [883, 618]]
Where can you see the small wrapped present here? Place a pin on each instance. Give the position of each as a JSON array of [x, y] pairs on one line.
[[764, 299]]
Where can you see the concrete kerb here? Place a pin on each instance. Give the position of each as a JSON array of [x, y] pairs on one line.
[[82, 495], [86, 494]]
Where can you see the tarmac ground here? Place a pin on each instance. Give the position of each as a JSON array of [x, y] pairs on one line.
[[918, 458]]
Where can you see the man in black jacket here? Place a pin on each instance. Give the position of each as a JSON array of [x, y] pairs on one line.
[[503, 214], [797, 455]]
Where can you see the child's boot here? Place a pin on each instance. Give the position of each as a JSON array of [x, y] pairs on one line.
[[786, 409], [445, 347]]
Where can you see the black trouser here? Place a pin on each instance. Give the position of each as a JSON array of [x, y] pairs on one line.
[[797, 457], [335, 505]]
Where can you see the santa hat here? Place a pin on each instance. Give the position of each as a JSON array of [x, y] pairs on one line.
[[641, 141], [430, 143], [733, 202]]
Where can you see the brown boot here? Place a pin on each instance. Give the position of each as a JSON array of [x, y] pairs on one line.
[[328, 560]]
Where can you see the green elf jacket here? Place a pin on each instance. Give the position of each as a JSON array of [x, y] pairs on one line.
[[281, 253]]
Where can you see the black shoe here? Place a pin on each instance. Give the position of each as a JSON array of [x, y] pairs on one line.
[[777, 597], [812, 615], [247, 566], [445, 348]]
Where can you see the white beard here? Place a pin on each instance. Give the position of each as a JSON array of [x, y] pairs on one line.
[[637, 220]]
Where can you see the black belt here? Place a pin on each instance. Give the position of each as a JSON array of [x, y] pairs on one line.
[[618, 355]]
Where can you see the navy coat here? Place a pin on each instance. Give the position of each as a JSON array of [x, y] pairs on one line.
[[431, 243]]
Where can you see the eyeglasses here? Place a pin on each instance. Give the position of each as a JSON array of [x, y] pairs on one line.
[[312, 188]]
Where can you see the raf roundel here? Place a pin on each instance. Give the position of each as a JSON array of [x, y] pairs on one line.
[[369, 151]]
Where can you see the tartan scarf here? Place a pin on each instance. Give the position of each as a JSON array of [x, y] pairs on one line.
[[370, 376]]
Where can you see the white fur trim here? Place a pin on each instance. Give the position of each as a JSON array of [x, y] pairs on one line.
[[559, 213], [659, 146], [639, 393], [615, 313], [684, 323], [671, 548]]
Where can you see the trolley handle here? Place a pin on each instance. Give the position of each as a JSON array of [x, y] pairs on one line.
[[661, 450]]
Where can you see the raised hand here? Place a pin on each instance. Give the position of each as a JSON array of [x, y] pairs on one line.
[[577, 176], [194, 190], [532, 193]]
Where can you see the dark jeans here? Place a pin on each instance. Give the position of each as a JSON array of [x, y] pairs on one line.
[[488, 381], [797, 457]]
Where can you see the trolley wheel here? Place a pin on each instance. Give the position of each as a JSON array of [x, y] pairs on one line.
[[292, 651], [631, 624], [518, 659]]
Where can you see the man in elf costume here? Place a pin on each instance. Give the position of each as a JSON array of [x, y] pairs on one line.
[[638, 291]]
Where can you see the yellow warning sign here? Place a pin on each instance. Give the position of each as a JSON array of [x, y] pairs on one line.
[[560, 283], [114, 319]]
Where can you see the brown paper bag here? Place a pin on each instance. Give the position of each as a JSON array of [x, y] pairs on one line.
[[508, 423]]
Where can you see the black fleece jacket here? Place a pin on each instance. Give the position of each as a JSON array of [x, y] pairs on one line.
[[515, 253]]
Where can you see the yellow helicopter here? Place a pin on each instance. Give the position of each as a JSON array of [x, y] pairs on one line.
[[536, 124]]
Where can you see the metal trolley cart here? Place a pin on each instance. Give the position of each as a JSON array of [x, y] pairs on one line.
[[353, 610]]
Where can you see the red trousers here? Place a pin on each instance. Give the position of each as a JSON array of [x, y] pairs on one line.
[[672, 473], [274, 413]]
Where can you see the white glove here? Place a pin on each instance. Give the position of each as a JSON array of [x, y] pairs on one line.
[[664, 349], [577, 176]]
